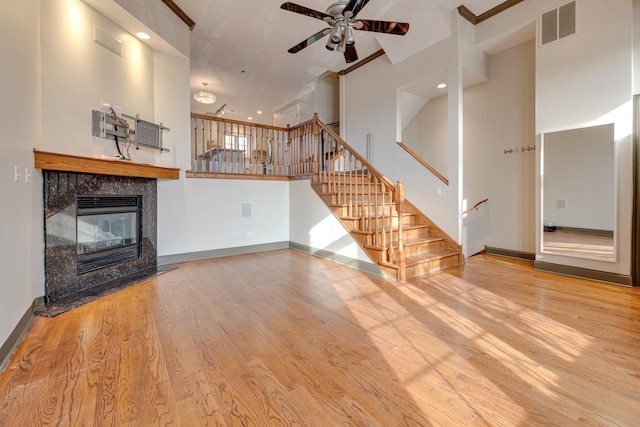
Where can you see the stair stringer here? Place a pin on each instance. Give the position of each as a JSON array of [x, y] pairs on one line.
[[316, 214]]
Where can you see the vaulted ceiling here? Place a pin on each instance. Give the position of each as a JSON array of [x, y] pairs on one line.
[[239, 47]]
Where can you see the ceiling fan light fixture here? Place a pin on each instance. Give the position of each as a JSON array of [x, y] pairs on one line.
[[342, 47], [330, 45], [204, 97], [348, 36], [336, 34]]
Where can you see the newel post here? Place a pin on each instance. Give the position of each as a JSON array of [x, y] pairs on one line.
[[314, 150], [400, 256], [288, 152]]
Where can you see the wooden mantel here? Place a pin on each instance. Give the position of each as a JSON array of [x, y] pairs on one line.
[[70, 163]]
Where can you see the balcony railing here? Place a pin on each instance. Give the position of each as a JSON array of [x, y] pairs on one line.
[[225, 146]]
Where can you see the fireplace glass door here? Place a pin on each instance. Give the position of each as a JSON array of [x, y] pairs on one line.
[[108, 231]]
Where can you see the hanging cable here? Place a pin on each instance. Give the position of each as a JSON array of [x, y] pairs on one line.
[[115, 128]]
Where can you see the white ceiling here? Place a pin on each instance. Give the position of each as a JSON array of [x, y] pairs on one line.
[[239, 47]]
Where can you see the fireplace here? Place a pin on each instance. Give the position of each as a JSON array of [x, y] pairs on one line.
[[100, 231], [108, 231]]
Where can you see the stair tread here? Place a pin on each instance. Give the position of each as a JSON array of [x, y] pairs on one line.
[[409, 242], [405, 227], [345, 205], [418, 259], [394, 215]]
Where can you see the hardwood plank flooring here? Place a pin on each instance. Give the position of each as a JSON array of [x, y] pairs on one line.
[[285, 339]]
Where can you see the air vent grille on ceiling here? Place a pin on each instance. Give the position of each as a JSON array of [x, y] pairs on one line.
[[558, 23]]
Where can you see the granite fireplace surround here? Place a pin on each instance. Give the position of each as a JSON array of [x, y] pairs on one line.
[[60, 193], [65, 177]]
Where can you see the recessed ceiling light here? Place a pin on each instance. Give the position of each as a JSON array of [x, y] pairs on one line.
[[441, 86], [143, 36], [259, 111], [250, 118]]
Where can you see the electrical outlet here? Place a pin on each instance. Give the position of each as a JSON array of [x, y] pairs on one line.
[[234, 235], [438, 191], [249, 233]]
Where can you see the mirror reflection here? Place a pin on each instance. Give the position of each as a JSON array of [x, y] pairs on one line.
[[578, 193]]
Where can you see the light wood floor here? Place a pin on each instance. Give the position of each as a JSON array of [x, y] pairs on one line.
[[282, 338]]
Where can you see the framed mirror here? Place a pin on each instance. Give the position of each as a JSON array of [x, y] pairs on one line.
[[578, 198]]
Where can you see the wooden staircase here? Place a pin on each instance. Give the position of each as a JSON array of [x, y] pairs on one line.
[[399, 238], [374, 222]]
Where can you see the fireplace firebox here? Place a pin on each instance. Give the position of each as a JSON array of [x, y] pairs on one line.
[[108, 231]]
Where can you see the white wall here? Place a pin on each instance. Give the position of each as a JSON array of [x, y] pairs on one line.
[[327, 98], [322, 99], [160, 20], [21, 246], [427, 134], [586, 80], [201, 214], [78, 73], [500, 115], [314, 225]]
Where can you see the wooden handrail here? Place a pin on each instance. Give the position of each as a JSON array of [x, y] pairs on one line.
[[355, 153], [423, 163], [235, 122], [475, 206]]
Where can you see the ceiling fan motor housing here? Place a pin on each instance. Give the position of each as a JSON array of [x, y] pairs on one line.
[[336, 8]]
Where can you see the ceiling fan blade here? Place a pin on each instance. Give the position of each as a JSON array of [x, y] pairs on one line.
[[399, 28], [296, 8], [353, 7], [314, 38], [350, 55]]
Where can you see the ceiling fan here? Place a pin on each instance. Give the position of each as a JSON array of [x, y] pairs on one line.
[[341, 17]]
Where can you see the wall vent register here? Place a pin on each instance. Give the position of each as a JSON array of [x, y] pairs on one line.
[[558, 23]]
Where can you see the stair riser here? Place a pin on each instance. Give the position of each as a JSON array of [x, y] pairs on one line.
[[373, 210], [335, 199], [344, 179], [344, 199], [376, 239], [355, 186], [365, 210], [413, 250], [362, 224], [422, 249], [431, 266]]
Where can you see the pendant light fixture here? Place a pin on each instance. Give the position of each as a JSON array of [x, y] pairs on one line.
[[203, 96]]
